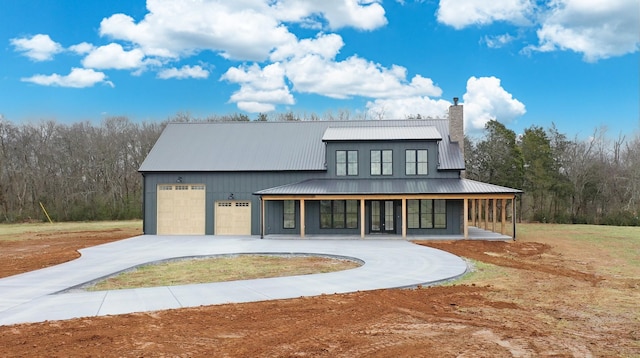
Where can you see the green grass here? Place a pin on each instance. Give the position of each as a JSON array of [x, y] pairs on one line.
[[12, 231], [621, 243], [219, 269], [480, 272]]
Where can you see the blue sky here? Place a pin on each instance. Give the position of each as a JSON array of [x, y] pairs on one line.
[[522, 62]]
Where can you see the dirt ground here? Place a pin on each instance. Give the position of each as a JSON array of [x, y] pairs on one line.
[[530, 298]]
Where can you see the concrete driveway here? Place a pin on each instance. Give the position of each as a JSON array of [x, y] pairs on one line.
[[47, 294]]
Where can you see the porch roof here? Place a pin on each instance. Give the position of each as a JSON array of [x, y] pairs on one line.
[[387, 186]]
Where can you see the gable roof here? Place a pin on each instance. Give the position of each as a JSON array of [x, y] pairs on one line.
[[274, 146]]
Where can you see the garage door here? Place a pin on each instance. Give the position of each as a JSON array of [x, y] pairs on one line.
[[233, 217], [181, 209]]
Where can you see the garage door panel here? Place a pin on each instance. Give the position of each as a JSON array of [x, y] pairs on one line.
[[233, 218], [181, 209]]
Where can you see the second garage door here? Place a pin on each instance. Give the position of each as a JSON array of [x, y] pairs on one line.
[[233, 217]]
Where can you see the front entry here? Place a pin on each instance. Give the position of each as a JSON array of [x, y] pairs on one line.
[[383, 217]]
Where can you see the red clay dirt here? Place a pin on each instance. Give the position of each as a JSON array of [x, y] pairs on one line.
[[540, 301]]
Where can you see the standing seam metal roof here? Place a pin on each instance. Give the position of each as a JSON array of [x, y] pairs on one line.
[[269, 146], [387, 186]]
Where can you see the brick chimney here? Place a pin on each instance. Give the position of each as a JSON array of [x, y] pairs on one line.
[[456, 124]]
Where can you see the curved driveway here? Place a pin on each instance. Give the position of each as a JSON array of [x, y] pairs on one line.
[[45, 294]]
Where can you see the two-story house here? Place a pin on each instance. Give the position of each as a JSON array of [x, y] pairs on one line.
[[398, 177]]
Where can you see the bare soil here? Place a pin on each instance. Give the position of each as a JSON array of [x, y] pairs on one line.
[[539, 296]]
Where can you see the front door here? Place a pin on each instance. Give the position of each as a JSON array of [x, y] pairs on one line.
[[382, 216]]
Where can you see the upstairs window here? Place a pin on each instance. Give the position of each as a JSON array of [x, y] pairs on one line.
[[381, 162], [416, 162], [346, 162]]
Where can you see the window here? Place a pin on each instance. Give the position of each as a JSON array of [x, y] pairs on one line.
[[381, 162], [427, 214], [289, 214], [346, 162], [416, 162], [338, 214]]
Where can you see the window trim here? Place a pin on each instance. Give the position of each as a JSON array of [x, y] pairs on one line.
[[341, 214], [415, 163], [381, 164], [438, 210], [348, 156], [285, 219]]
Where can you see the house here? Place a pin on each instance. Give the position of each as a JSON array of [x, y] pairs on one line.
[[397, 177]]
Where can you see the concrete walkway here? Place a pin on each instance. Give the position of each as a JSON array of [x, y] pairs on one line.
[[45, 294]]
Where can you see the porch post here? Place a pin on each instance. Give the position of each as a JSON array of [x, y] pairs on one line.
[[302, 218], [486, 214], [513, 216], [495, 213], [404, 218], [503, 219], [465, 223], [362, 218], [473, 212]]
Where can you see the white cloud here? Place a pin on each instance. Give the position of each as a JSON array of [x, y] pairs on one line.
[[77, 78], [498, 41], [243, 30], [407, 107], [113, 56], [463, 13], [183, 72], [82, 48], [485, 100], [355, 76], [360, 14], [595, 28], [260, 89], [38, 47]]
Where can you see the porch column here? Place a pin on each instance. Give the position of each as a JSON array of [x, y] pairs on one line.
[[495, 213], [404, 218], [362, 218], [486, 214], [465, 223], [513, 216], [302, 219], [503, 219], [473, 212]]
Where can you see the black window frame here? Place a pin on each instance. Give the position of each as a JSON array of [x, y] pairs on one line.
[[414, 163], [338, 214], [380, 166], [350, 165], [288, 217], [430, 214]]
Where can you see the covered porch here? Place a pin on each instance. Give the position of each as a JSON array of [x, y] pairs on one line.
[[488, 211]]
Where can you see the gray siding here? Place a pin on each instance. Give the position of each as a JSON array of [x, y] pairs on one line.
[[398, 148], [218, 187]]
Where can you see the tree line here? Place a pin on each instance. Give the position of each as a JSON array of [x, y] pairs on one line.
[[83, 171], [585, 181]]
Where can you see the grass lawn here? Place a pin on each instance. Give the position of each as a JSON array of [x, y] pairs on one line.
[[13, 231], [219, 269]]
